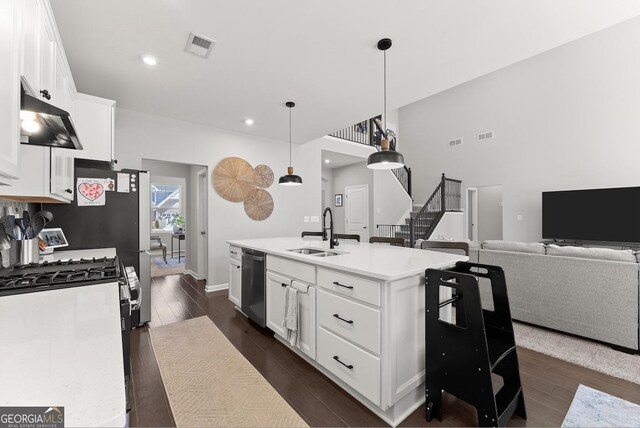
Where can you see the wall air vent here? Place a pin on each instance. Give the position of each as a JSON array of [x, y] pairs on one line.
[[485, 136], [454, 143], [199, 45]]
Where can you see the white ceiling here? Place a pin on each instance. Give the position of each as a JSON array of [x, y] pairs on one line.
[[337, 160], [320, 54]]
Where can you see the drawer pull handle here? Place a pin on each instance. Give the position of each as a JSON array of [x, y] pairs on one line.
[[350, 287], [233, 252], [284, 285], [342, 319], [237, 267], [349, 366]]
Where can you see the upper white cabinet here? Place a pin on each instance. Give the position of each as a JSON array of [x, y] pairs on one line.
[[30, 58], [94, 121], [10, 13], [43, 64]]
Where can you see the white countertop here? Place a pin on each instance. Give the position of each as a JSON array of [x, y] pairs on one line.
[[373, 260], [63, 347]]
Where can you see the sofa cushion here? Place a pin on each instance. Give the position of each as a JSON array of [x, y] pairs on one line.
[[519, 247], [592, 253]]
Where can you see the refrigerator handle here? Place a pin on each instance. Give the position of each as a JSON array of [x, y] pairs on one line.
[[144, 210]]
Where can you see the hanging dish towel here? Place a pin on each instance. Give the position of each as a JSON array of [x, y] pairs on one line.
[[290, 322]]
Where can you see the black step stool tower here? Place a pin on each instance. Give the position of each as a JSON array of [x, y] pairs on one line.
[[461, 357]]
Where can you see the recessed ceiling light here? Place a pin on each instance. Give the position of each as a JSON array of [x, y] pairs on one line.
[[327, 161], [248, 122], [149, 60]]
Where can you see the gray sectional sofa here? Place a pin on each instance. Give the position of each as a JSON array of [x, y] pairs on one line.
[[590, 292]]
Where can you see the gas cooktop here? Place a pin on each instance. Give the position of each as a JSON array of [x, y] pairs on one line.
[[58, 274]]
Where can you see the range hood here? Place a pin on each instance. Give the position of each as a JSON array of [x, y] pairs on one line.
[[46, 125]]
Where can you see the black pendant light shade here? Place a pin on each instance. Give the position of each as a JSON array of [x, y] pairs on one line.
[[290, 179], [385, 158]]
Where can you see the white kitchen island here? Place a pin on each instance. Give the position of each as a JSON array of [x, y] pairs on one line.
[[63, 347], [362, 314]]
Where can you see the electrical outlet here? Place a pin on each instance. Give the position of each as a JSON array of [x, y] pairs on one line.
[[315, 219], [306, 219]]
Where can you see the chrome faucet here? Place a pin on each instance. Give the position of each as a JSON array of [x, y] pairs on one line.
[[333, 242]]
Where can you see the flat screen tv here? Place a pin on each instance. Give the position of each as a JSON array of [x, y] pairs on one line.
[[598, 215]]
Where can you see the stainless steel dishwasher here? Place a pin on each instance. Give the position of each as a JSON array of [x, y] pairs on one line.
[[253, 286]]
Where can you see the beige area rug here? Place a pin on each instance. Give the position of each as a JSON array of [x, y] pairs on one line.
[[583, 352], [209, 382]]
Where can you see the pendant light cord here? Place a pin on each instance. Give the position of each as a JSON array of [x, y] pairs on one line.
[[385, 92], [290, 136]]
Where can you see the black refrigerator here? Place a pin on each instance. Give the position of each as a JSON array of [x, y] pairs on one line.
[[119, 218]]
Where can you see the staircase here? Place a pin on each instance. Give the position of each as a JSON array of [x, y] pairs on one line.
[[423, 219]]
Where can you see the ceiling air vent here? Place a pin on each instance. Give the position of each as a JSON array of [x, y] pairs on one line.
[[485, 136], [199, 45], [454, 143]]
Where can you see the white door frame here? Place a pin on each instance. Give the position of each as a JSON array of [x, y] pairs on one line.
[[201, 222], [472, 210], [366, 232]]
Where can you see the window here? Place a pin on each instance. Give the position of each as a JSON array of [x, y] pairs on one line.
[[165, 205]]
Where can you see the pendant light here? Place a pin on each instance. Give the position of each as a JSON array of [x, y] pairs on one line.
[[385, 158], [290, 179]]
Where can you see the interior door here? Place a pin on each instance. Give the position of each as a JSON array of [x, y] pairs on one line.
[[202, 225], [357, 211]]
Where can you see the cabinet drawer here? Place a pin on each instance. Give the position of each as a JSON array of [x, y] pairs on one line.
[[235, 253], [357, 368], [300, 271], [349, 285], [351, 320]]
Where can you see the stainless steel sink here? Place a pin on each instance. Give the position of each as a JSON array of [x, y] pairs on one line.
[[326, 254], [307, 251]]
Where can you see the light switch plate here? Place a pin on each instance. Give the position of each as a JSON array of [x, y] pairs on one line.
[[315, 219], [519, 217], [306, 219]]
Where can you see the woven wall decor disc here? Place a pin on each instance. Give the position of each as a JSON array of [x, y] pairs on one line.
[[258, 205], [234, 179], [264, 176]]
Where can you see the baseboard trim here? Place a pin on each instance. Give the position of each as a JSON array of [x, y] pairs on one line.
[[217, 287], [192, 273]]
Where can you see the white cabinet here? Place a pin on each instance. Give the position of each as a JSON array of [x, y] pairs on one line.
[[235, 282], [94, 122], [62, 173], [43, 64], [354, 321], [276, 303], [30, 58], [9, 87], [275, 295], [42, 170], [48, 62]]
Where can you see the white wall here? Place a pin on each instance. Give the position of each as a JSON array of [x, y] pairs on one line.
[[565, 119], [351, 175], [489, 212], [451, 227], [140, 135], [327, 186], [391, 203]]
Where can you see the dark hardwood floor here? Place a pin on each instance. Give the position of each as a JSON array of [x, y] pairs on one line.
[[549, 383]]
